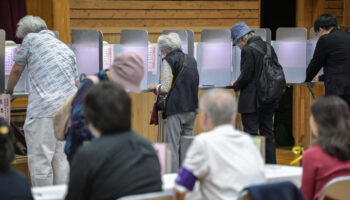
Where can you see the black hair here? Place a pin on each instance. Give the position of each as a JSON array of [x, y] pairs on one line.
[[332, 116], [6, 146], [325, 21], [108, 107]]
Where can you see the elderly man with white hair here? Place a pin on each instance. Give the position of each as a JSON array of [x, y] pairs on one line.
[[52, 75], [222, 159], [179, 83]]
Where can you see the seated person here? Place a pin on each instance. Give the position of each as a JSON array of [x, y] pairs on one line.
[[119, 162], [13, 184], [222, 159], [330, 157]]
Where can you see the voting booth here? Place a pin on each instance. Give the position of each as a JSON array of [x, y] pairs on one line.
[[214, 58], [290, 47], [87, 46]]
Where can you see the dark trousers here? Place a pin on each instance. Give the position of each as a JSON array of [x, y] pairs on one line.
[[262, 120]]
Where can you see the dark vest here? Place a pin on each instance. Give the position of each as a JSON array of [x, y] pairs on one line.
[[183, 96]]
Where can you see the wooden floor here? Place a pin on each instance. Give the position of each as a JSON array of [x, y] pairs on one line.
[[285, 156]]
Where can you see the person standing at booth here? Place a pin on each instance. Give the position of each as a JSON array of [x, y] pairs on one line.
[[332, 53], [52, 75], [255, 114], [179, 83]]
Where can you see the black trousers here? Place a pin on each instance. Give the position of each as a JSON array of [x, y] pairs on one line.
[[262, 120]]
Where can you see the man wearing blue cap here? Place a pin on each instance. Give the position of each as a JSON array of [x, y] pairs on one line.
[[255, 114]]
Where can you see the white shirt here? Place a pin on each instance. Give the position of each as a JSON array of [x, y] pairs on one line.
[[52, 72], [225, 161]]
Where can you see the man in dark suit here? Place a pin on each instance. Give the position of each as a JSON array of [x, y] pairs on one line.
[[255, 115], [333, 54]]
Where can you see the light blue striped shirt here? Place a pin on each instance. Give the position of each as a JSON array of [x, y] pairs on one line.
[[52, 72]]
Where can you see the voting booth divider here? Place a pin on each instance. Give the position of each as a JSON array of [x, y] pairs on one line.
[[218, 64]]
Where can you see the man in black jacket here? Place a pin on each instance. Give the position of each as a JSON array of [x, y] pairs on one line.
[[255, 115], [333, 54]]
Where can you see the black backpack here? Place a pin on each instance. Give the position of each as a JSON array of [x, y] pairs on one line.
[[271, 83]]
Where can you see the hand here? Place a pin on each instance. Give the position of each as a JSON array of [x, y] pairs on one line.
[[152, 87], [232, 82], [7, 91], [315, 79]]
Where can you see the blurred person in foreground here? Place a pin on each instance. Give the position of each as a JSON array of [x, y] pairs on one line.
[[330, 157], [13, 184], [119, 162], [222, 159]]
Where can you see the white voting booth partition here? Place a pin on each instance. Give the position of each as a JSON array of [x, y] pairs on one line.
[[87, 46], [8, 51], [214, 58], [290, 47]]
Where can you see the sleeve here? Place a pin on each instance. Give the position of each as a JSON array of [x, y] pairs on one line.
[[166, 77], [318, 60], [75, 68], [195, 166], [21, 57], [308, 177], [247, 70], [78, 178]]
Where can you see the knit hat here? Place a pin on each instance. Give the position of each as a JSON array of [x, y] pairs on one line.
[[128, 70], [239, 30]]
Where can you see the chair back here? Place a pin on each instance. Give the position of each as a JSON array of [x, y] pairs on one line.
[[185, 143], [338, 188], [164, 156], [164, 195], [260, 142]]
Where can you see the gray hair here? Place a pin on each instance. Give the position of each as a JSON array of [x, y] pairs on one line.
[[30, 24], [219, 105], [247, 36], [169, 42]]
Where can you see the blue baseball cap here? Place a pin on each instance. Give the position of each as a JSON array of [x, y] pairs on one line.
[[239, 30]]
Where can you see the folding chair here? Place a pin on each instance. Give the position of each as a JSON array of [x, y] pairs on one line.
[[337, 188]]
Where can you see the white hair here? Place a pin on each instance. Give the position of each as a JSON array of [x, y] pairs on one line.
[[219, 105], [247, 36], [30, 24], [169, 42]]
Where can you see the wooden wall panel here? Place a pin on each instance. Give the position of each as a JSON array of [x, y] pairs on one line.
[[346, 13], [56, 14], [309, 10], [155, 16], [41, 8], [302, 101]]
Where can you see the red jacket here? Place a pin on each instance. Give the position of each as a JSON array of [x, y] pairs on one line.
[[318, 169]]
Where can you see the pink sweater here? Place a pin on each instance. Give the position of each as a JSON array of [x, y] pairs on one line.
[[318, 169]]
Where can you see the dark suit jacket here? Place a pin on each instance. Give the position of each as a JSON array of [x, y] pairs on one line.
[[113, 166], [251, 65], [333, 54]]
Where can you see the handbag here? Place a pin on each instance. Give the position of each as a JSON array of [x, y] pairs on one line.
[[154, 115], [161, 100], [62, 118]]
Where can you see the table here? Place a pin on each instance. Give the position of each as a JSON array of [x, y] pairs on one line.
[[274, 173]]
